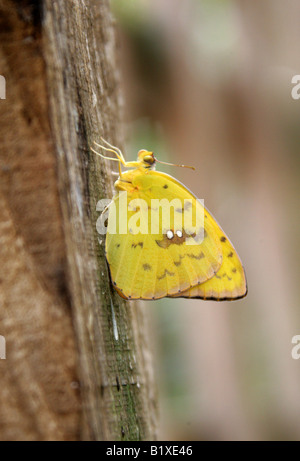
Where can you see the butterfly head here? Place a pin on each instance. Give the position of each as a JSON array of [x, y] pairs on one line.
[[146, 159]]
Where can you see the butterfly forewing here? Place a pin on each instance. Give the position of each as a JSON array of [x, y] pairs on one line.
[[166, 260]]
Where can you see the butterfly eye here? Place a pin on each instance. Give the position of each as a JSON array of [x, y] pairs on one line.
[[149, 159]]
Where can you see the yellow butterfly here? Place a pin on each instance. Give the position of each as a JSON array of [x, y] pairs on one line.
[[150, 255]]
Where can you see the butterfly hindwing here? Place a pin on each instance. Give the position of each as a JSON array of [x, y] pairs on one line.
[[229, 282]]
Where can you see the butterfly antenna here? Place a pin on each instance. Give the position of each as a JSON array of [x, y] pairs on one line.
[[174, 164]]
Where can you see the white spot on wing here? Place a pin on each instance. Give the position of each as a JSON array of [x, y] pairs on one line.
[[170, 234]]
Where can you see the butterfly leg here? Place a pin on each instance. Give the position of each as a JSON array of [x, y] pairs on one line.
[[118, 154]]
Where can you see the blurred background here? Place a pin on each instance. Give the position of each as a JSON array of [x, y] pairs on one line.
[[208, 83]]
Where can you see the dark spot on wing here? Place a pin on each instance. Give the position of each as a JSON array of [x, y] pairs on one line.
[[234, 270], [177, 263], [118, 245], [165, 186], [166, 242], [134, 245], [171, 274], [223, 239], [187, 206], [147, 267], [199, 256], [230, 255]]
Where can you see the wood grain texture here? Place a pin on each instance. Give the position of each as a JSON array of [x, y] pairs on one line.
[[67, 375], [39, 395], [117, 384]]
